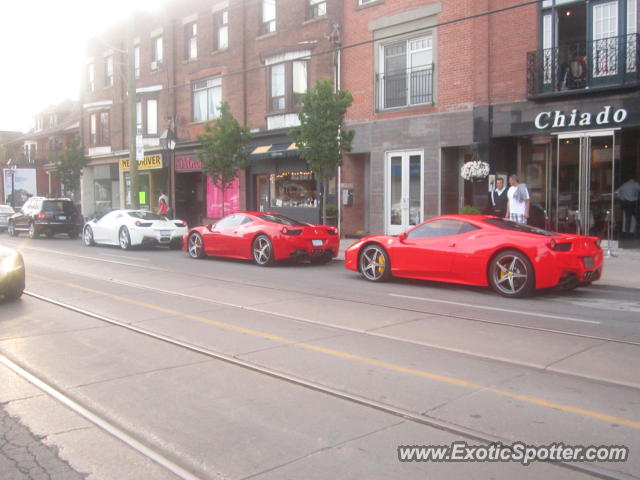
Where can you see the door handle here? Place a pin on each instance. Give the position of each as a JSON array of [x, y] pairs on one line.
[[452, 244]]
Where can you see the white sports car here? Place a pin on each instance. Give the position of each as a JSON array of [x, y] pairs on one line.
[[130, 228]]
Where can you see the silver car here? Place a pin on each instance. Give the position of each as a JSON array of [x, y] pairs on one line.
[[11, 274], [5, 212]]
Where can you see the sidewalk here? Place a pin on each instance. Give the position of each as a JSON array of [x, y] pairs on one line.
[[623, 270]]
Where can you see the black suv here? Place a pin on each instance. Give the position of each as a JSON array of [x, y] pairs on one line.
[[46, 216]]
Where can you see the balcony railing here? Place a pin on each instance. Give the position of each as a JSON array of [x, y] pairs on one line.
[[405, 88], [607, 63]]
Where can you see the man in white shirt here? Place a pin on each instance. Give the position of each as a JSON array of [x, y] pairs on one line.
[[518, 201]]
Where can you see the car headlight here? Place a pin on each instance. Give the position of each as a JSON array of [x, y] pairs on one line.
[[10, 262]]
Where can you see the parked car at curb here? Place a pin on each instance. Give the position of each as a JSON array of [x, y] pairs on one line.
[[12, 277], [6, 211], [132, 228], [263, 237], [513, 258], [46, 216]]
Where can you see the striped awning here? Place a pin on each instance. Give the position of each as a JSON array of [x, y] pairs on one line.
[[274, 150]]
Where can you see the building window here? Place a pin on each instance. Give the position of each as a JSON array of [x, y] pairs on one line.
[[317, 8], [152, 117], [91, 77], [288, 80], [221, 27], [136, 61], [53, 120], [268, 16], [39, 123], [406, 73], [191, 41], [99, 129], [366, 2], [108, 71], [147, 117], [292, 189], [157, 51], [207, 96]]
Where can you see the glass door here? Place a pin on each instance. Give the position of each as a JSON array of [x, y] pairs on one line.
[[404, 191], [583, 182]]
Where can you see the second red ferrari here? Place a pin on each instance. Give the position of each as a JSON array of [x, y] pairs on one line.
[[514, 259], [264, 238]]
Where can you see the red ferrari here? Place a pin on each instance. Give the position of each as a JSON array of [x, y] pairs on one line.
[[264, 238], [514, 259]]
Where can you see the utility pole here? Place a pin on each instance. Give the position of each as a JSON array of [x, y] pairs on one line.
[[135, 140]]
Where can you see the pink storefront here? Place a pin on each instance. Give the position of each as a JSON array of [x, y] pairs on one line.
[[196, 197]]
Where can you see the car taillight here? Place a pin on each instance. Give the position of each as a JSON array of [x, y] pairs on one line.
[[180, 224], [559, 246], [41, 216], [598, 243], [142, 224], [332, 231], [288, 231]]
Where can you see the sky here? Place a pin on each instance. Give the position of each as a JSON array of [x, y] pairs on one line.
[[42, 49]]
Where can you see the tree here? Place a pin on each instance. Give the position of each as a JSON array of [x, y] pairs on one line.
[[321, 138], [69, 165], [224, 153]]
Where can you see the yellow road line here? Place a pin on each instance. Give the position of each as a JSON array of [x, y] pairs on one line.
[[364, 360]]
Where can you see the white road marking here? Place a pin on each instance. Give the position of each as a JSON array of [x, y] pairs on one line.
[[137, 259], [496, 309], [99, 421]]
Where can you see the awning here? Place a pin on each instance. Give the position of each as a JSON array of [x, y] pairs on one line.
[[275, 150]]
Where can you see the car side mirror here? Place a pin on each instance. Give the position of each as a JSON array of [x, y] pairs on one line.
[[402, 237], [210, 226]]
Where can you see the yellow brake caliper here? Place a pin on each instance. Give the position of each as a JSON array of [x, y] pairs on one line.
[[502, 272], [380, 263]]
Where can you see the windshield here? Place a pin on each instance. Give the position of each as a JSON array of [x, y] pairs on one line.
[[281, 220], [518, 227], [58, 206], [6, 209], [144, 215]]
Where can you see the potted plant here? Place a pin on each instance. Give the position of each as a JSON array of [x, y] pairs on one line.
[[475, 170]]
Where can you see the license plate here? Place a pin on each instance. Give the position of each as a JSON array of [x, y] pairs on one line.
[[165, 233], [316, 243], [588, 262], [62, 217]]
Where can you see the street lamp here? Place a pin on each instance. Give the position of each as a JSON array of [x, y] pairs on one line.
[[12, 169], [168, 144]]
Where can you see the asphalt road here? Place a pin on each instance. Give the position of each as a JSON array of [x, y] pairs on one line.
[[460, 362]]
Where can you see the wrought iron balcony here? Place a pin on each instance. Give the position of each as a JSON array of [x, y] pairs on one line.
[[599, 64], [405, 88]]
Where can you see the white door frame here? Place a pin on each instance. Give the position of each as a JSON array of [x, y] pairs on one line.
[[405, 185]]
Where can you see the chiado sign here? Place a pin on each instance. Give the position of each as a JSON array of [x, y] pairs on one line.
[[558, 119], [148, 163]]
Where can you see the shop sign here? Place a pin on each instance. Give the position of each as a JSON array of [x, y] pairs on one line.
[[149, 162], [558, 119], [188, 162]]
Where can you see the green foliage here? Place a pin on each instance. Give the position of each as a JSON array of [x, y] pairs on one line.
[[69, 165], [469, 210], [224, 155], [320, 138], [332, 210]]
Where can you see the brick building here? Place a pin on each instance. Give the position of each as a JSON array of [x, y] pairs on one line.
[[546, 90], [33, 153], [258, 55]]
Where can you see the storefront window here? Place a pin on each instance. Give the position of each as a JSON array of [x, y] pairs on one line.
[[217, 206], [105, 188], [293, 189]]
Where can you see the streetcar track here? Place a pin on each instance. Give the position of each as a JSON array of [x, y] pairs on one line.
[[432, 422], [359, 302]]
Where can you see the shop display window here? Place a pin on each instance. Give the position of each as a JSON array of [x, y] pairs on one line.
[[293, 189]]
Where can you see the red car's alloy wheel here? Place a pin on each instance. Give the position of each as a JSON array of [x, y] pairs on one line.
[[262, 251], [195, 246], [374, 263], [511, 274]]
